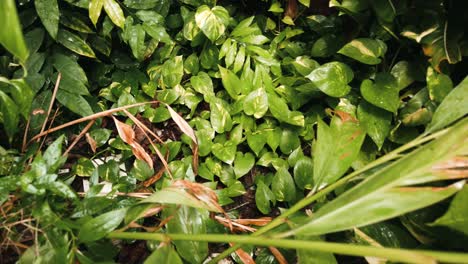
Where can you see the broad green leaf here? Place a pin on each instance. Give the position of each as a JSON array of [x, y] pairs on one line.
[[84, 167], [164, 254], [336, 148], [454, 106], [209, 57], [230, 82], [386, 234], [375, 121], [303, 173], [11, 36], [256, 141], [456, 217], [74, 43], [225, 152], [136, 39], [382, 92], [273, 137], [404, 74], [173, 71], [378, 198], [314, 256], [143, 4], [22, 95], [114, 12], [256, 103], [239, 60], [74, 79], [203, 84], [438, 84], [289, 141], [327, 45], [53, 155], [179, 196], [283, 186], [305, 65], [48, 12], [61, 189], [212, 21], [365, 50], [263, 197], [190, 221], [280, 110], [100, 226], [95, 8], [332, 78], [220, 118], [384, 10], [10, 114], [141, 170], [243, 163], [76, 103], [157, 32]]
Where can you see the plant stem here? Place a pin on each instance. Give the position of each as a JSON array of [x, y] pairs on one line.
[[403, 255], [309, 199]]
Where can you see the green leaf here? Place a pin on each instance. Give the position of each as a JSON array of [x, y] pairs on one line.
[[303, 173], [454, 106], [141, 170], [404, 74], [22, 95], [213, 21], [243, 163], [74, 43], [100, 226], [157, 32], [283, 186], [263, 196], [114, 12], [136, 39], [289, 141], [173, 71], [383, 92], [365, 50], [143, 4], [438, 84], [379, 198], [375, 121], [164, 254], [456, 217], [230, 82], [74, 79], [280, 110], [203, 84], [48, 12], [305, 65], [332, 78], [188, 220], [76, 103], [10, 115], [11, 36], [256, 103], [53, 155], [179, 196], [336, 149], [256, 141], [220, 118], [314, 256], [225, 152], [95, 8], [84, 167]]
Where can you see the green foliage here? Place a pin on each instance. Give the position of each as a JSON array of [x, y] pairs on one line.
[[244, 109]]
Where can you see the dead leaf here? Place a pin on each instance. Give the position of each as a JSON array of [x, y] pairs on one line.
[[262, 221], [92, 143], [125, 131], [279, 257], [182, 124], [141, 154], [244, 256]]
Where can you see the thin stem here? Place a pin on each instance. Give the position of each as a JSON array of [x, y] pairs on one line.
[[311, 198], [403, 255]]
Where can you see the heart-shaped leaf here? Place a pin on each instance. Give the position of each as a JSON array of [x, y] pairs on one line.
[[375, 121], [365, 50], [202, 83], [212, 21], [256, 141], [225, 152], [220, 118], [303, 173], [383, 92], [283, 186], [332, 78], [256, 103], [243, 163]]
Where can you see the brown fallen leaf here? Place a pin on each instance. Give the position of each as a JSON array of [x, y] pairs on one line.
[[92, 143], [244, 256]]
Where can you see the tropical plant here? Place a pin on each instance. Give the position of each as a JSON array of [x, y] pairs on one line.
[[187, 131]]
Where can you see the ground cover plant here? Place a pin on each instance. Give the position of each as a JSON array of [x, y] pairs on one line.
[[192, 131]]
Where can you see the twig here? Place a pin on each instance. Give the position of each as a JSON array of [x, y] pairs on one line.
[[54, 94], [87, 127]]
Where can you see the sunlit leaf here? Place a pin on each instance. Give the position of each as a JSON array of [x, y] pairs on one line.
[[365, 50], [11, 36], [74, 43], [48, 11], [212, 21]]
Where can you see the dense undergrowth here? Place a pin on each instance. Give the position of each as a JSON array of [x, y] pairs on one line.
[[142, 130]]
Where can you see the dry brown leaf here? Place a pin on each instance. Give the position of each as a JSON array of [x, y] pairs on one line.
[[154, 178], [279, 257], [244, 256], [125, 131], [92, 143], [234, 225], [262, 221], [182, 124], [141, 154]]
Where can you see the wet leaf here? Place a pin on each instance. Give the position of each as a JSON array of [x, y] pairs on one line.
[[76, 103], [74, 43], [95, 8], [332, 78], [114, 12], [365, 50], [48, 12], [382, 92], [243, 163]]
